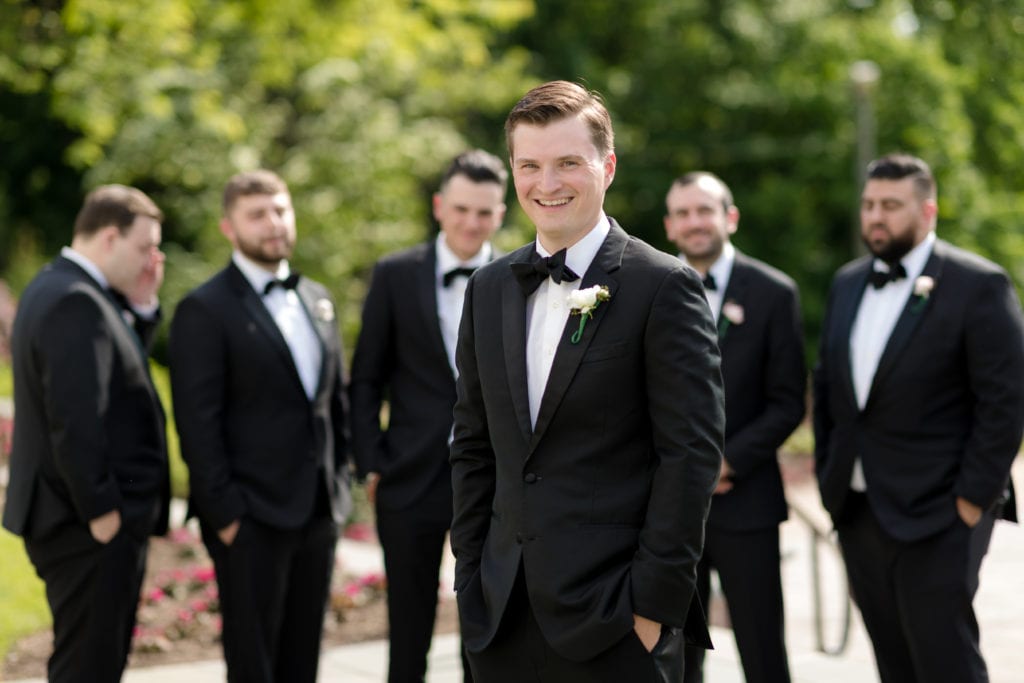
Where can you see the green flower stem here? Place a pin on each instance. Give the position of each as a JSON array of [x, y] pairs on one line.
[[578, 334]]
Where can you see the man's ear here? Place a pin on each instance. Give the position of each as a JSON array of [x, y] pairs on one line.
[[227, 229], [733, 216]]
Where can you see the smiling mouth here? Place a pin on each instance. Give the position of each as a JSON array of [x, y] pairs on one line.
[[554, 202]]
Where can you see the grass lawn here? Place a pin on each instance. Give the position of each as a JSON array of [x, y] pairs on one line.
[[23, 607]]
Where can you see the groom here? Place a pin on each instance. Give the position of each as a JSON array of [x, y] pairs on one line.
[[588, 436]]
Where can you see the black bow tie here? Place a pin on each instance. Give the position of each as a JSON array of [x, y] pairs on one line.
[[288, 283], [539, 268], [461, 271], [879, 278], [709, 283]]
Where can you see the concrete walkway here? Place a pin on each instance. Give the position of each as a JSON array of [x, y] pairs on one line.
[[1000, 608]]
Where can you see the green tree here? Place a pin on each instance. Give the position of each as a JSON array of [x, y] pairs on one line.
[[758, 91], [358, 104]]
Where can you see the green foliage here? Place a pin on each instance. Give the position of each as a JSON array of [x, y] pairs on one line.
[[359, 104], [179, 471], [6, 380], [759, 92], [21, 593]]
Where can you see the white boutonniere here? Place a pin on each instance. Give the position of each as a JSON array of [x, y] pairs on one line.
[[582, 302], [732, 314], [923, 287], [323, 310]]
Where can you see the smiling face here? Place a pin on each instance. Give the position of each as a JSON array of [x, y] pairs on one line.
[[560, 178], [697, 220], [894, 217], [262, 228], [469, 213]]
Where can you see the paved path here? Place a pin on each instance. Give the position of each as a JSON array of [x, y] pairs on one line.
[[1000, 607]]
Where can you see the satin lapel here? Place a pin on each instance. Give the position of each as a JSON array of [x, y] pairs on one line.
[[568, 355], [260, 318], [736, 291], [426, 300], [847, 304], [322, 316], [63, 263], [513, 339], [914, 310]]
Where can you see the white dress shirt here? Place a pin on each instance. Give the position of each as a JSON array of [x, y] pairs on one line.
[[291, 317], [876, 318], [720, 271], [450, 298], [547, 311]]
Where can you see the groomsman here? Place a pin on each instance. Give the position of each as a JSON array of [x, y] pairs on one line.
[[588, 427], [918, 415], [757, 311], [256, 369], [406, 356], [88, 479]]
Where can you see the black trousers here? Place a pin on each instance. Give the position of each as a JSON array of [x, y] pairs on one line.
[[93, 593], [747, 563], [413, 541], [519, 653], [916, 597], [274, 586]]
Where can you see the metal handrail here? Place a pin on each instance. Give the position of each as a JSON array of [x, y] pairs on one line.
[[819, 537]]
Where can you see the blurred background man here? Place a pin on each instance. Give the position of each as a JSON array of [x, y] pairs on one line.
[[757, 311], [259, 402], [918, 415], [406, 356], [88, 476]]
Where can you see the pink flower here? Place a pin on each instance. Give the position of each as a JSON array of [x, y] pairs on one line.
[[199, 605], [359, 531], [204, 574], [182, 535], [155, 595]]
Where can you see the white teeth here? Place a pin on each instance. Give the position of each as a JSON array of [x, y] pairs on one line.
[[556, 202]]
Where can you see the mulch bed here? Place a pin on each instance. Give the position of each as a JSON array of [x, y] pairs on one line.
[[179, 619]]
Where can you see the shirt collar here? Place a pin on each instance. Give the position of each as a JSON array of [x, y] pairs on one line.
[[85, 264], [447, 260], [257, 276], [914, 261], [722, 268], [579, 256]]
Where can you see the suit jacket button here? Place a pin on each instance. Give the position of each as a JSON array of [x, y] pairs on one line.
[[530, 478], [519, 539]]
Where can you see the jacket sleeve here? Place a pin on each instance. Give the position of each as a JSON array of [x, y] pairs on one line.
[[372, 365], [687, 412], [995, 367], [198, 363]]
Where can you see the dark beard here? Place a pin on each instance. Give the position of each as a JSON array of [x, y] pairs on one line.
[[894, 250]]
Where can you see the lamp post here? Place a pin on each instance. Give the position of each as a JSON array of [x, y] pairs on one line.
[[864, 75]]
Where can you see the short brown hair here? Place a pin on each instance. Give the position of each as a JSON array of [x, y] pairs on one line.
[[260, 181], [557, 100], [116, 205]]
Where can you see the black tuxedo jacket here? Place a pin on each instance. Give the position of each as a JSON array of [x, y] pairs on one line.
[[765, 392], [255, 444], [89, 428], [944, 414], [400, 357], [604, 502]]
